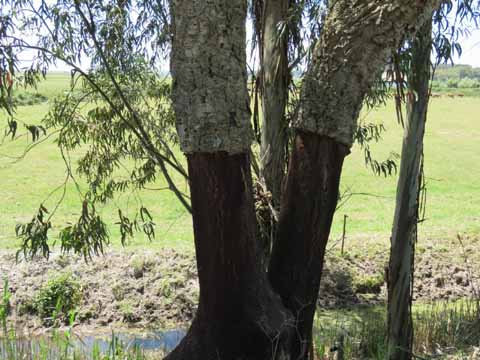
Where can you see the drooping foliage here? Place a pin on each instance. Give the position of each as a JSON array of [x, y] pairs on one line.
[[117, 108]]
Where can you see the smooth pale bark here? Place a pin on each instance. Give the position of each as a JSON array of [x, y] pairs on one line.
[[238, 316], [357, 38], [404, 234], [275, 77]]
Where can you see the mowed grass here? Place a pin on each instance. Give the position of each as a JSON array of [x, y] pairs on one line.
[[452, 158]]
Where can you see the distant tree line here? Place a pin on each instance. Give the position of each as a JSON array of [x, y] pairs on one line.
[[457, 76]]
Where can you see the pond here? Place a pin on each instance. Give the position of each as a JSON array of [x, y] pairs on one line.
[[63, 345]]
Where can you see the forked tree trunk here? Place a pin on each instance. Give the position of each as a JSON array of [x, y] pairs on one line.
[[274, 65], [404, 234], [239, 316], [356, 39]]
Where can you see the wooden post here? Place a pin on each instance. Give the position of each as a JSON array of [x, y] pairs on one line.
[[344, 231]]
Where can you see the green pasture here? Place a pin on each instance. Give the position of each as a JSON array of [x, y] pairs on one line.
[[452, 168]]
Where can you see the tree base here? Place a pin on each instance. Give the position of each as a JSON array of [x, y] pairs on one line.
[[246, 339], [239, 316]]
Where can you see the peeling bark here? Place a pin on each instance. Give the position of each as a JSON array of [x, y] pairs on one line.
[[404, 233]]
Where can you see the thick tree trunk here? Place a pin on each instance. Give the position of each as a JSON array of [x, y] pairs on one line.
[[304, 226], [239, 316], [274, 96], [356, 39], [404, 234], [209, 72]]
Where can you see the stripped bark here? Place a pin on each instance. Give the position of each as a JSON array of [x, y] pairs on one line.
[[404, 233], [238, 316], [308, 206], [357, 37]]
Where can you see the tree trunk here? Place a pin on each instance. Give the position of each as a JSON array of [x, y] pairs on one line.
[[239, 316], [356, 39], [274, 46], [404, 234], [307, 211], [209, 72]]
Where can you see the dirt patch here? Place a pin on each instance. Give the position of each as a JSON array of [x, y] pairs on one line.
[[160, 289]]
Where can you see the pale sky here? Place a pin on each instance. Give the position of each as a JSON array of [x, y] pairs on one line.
[[470, 55], [471, 50]]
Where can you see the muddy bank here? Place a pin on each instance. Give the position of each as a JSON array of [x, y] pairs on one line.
[[351, 280], [141, 289], [159, 289]]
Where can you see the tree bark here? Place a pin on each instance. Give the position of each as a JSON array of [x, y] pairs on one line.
[[208, 66], [274, 46], [304, 226], [404, 233], [239, 316], [356, 40]]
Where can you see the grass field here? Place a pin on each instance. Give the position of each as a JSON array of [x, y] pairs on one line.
[[452, 167]]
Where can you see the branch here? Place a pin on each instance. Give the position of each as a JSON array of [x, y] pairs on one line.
[[144, 137], [160, 159]]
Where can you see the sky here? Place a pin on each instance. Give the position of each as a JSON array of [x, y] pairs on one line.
[[470, 55], [471, 50]]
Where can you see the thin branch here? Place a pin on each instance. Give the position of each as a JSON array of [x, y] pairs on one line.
[[143, 134], [160, 159]]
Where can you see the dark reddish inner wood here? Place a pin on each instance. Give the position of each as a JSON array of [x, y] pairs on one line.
[[309, 202], [238, 313]]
